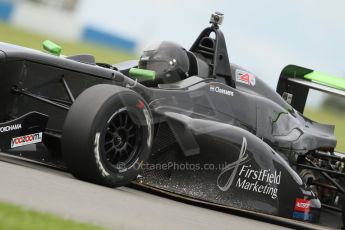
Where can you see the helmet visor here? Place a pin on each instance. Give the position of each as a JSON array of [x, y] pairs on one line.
[[159, 66]]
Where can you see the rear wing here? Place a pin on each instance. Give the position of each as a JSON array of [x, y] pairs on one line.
[[295, 81]]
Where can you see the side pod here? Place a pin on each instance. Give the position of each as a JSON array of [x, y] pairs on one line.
[[235, 168], [25, 130]]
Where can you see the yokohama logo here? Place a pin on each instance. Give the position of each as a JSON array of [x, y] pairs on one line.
[[10, 128], [26, 140], [302, 205]]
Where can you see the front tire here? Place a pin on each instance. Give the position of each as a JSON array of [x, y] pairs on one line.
[[107, 135]]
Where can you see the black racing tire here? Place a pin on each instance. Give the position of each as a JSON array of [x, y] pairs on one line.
[[342, 201], [107, 135], [308, 176], [343, 211]]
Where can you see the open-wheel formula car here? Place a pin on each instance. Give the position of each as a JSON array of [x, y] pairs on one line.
[[183, 122]]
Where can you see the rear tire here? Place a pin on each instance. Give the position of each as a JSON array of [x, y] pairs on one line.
[[107, 135], [343, 211]]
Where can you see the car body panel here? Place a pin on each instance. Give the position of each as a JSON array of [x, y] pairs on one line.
[[243, 131]]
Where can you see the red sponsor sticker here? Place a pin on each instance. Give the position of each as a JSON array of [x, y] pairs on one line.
[[140, 105], [245, 78], [26, 140], [302, 205]]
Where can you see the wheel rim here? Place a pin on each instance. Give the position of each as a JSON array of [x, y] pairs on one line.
[[121, 140]]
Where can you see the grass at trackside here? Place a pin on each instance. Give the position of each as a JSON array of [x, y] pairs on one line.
[[16, 218], [333, 118], [22, 37]]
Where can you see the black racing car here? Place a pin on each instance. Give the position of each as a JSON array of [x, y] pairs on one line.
[[182, 122]]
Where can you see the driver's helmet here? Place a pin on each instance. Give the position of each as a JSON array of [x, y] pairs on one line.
[[169, 61]]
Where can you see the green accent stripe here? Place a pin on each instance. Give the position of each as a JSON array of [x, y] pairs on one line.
[[142, 74], [325, 79], [52, 48]]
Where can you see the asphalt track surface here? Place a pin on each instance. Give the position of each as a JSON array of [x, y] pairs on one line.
[[58, 192]]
